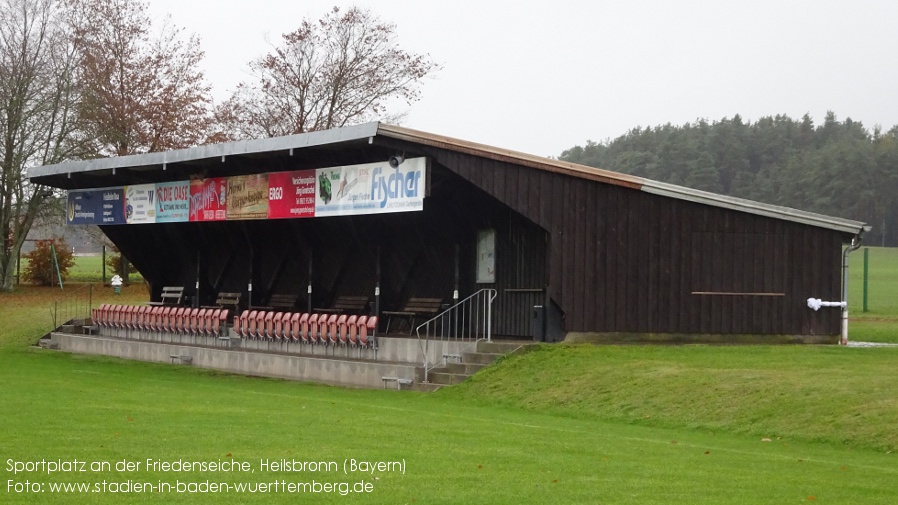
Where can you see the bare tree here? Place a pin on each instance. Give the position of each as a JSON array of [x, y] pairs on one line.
[[140, 92], [344, 69], [37, 96]]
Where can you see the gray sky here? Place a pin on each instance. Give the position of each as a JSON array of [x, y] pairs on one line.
[[540, 77]]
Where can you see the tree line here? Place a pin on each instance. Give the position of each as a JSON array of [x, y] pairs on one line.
[[82, 79], [837, 168]]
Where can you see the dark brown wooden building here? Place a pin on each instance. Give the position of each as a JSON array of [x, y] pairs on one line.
[[599, 252]]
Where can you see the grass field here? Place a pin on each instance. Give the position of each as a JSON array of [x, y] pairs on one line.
[[880, 322], [90, 269], [559, 424]]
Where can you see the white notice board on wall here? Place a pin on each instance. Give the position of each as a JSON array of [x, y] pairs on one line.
[[486, 256]]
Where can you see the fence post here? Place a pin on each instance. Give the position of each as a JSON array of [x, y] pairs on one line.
[[866, 261]]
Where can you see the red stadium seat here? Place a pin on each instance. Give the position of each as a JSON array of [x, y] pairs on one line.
[[266, 326], [352, 330], [341, 329], [241, 324], [366, 332], [273, 325], [313, 328], [332, 329], [304, 328], [180, 318], [199, 322], [323, 320], [256, 319], [220, 322], [292, 326], [165, 319]]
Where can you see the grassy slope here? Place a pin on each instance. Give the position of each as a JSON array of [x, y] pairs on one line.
[[837, 395]]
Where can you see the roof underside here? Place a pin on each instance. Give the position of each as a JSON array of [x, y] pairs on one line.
[[61, 175]]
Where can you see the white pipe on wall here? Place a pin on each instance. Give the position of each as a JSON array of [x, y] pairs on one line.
[[855, 245]]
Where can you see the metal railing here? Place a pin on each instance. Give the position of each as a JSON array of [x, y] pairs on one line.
[[468, 321], [72, 305]]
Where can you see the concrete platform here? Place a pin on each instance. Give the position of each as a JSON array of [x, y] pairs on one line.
[[343, 366]]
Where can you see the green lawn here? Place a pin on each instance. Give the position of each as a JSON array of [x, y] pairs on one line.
[[561, 424], [456, 448], [879, 323]]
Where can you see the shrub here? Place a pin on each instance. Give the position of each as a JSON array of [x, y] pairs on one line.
[[114, 262], [41, 269]]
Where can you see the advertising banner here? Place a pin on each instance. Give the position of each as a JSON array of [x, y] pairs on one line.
[[140, 206], [248, 197], [96, 206], [172, 202], [291, 194], [372, 188], [209, 199]]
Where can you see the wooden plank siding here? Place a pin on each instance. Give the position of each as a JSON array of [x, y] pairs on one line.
[[621, 260], [614, 259]]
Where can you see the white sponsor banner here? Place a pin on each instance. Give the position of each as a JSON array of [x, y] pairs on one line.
[[371, 188], [140, 204]]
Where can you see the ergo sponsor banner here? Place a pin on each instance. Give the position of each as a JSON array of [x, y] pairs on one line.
[[172, 202], [291, 194], [209, 199], [371, 188]]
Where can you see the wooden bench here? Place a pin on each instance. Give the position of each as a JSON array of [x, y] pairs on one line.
[[398, 380], [282, 302], [172, 296], [347, 304], [414, 308], [227, 301]]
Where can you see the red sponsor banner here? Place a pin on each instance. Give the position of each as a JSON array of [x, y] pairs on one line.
[[209, 199], [291, 194]]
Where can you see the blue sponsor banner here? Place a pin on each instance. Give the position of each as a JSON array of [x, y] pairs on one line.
[[173, 202], [96, 206]]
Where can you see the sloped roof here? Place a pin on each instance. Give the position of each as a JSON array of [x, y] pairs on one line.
[[365, 132]]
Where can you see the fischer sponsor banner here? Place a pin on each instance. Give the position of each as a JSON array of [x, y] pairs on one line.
[[140, 205], [372, 188], [96, 206], [291, 194], [248, 197], [209, 199], [173, 202]]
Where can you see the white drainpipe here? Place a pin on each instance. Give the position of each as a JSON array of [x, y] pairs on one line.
[[855, 245]]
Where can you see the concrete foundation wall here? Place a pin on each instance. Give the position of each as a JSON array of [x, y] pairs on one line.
[[344, 366]]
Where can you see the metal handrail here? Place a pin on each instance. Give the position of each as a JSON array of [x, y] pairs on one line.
[[469, 320]]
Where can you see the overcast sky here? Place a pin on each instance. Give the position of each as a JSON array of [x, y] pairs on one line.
[[543, 76]]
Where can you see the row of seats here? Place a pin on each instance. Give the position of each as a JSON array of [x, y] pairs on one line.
[[183, 320], [322, 329]]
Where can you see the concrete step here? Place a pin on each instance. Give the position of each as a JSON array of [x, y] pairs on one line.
[[484, 358], [447, 379], [465, 368], [501, 346]]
